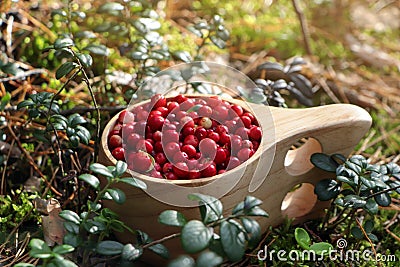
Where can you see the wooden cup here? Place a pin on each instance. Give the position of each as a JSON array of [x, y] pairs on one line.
[[270, 174]]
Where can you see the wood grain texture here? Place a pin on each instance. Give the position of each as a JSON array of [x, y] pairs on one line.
[[332, 129]]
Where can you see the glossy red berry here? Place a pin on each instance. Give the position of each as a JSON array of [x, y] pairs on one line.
[[170, 136], [208, 147], [181, 170], [255, 133], [144, 145], [209, 171], [171, 176], [140, 161], [155, 122], [119, 153], [115, 141], [126, 116], [191, 140], [244, 154], [171, 148], [173, 106], [190, 150], [220, 155], [158, 100], [160, 158], [237, 109], [205, 111], [200, 133]]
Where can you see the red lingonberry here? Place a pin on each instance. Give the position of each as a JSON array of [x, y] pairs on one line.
[[119, 153]]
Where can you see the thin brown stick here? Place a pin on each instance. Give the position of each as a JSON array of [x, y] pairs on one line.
[[23, 75], [304, 27], [369, 240], [3, 176], [32, 162]]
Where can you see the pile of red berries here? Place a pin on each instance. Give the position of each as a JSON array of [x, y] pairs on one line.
[[184, 138]]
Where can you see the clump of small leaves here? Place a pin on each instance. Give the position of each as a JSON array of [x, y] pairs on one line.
[[358, 185], [88, 233], [278, 78], [317, 248], [15, 208]]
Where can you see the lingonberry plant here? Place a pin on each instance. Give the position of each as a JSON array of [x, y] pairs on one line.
[[87, 232], [276, 78], [358, 185]]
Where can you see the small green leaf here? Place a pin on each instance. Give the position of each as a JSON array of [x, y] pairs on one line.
[[136, 55], [195, 31], [383, 199], [65, 68], [25, 103], [63, 42], [117, 195], [183, 56], [327, 189], [215, 245], [194, 108], [134, 182], [253, 231], [356, 232], [195, 236], [371, 206], [70, 216], [233, 240], [83, 134], [354, 167], [101, 169], [100, 50], [109, 248], [130, 253], [321, 248], [86, 60], [85, 34], [39, 249], [182, 261], [172, 218], [71, 227], [73, 239], [75, 119], [120, 168], [90, 179], [373, 237], [218, 42], [302, 238], [5, 100], [63, 249], [324, 162], [257, 211], [112, 8], [223, 34], [209, 259], [211, 209], [251, 202], [74, 140], [354, 201], [160, 250], [369, 226], [368, 182]]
